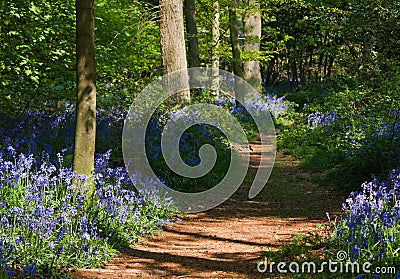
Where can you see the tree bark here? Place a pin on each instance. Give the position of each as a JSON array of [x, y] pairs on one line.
[[252, 32], [237, 61], [191, 30], [215, 52], [234, 36], [85, 130], [173, 52]]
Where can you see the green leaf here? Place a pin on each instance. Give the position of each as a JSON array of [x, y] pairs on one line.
[[34, 9]]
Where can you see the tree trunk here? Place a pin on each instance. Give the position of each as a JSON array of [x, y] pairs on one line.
[[234, 35], [252, 32], [191, 30], [237, 61], [326, 66], [173, 52], [310, 65], [85, 130], [319, 71], [331, 60], [215, 52]]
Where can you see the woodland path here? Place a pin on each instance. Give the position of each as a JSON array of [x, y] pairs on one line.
[[228, 241]]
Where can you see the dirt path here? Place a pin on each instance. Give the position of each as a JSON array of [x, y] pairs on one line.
[[227, 241]]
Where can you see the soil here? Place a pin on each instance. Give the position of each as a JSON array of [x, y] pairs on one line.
[[229, 240]]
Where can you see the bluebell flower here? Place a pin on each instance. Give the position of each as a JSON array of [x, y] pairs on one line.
[[29, 270], [59, 250]]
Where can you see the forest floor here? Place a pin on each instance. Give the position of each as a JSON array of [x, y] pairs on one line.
[[228, 241]]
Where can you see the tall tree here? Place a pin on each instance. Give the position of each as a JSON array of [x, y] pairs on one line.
[[236, 56], [191, 30], [252, 33], [234, 36], [85, 131], [173, 52], [215, 51]]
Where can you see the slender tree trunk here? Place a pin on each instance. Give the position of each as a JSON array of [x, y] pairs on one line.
[[173, 52], [331, 60], [294, 74], [234, 35], [236, 56], [252, 32], [319, 72], [288, 62], [191, 30], [326, 65], [215, 52], [85, 131], [310, 64]]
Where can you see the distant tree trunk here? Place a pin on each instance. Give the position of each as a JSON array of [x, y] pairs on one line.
[[85, 131], [310, 65], [318, 73], [173, 52], [215, 52], [252, 31], [237, 61], [191, 30], [331, 60], [234, 36]]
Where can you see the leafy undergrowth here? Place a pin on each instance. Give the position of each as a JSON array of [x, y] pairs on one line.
[[48, 221], [349, 135], [362, 243]]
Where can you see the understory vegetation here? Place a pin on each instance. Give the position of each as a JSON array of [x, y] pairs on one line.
[[47, 221], [347, 132]]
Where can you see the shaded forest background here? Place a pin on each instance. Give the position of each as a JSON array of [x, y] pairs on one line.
[[302, 43]]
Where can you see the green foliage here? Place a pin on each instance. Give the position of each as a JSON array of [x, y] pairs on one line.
[[127, 50], [204, 9], [306, 40], [313, 40], [360, 141], [37, 57], [303, 37], [304, 249], [36, 53], [301, 246], [369, 47]]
